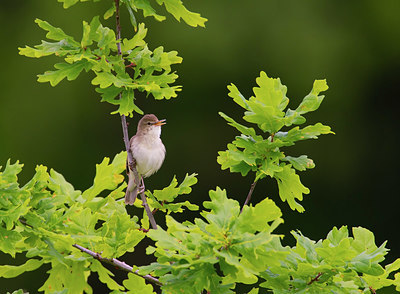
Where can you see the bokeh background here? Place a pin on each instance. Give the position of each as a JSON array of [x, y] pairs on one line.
[[355, 45]]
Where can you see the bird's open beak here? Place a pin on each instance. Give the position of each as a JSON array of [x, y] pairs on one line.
[[160, 122]]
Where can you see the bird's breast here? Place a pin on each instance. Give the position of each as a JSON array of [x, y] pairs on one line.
[[149, 154]]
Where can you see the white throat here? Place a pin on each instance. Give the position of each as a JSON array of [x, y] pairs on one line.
[[154, 132]]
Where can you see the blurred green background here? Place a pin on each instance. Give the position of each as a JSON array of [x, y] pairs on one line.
[[355, 45]]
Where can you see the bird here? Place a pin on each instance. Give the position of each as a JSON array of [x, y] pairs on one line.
[[148, 151]]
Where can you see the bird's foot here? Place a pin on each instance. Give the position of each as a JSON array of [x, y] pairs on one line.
[[142, 187]]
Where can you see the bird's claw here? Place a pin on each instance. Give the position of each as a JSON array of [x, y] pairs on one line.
[[142, 187]]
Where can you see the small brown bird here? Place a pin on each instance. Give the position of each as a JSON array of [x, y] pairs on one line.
[[148, 151]]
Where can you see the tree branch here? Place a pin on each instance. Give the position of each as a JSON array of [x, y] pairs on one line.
[[253, 185], [148, 211], [119, 264], [131, 160], [316, 279]]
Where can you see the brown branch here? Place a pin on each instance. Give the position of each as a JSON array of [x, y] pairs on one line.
[[148, 211], [117, 263], [131, 65], [253, 185], [118, 26], [131, 160], [316, 279], [272, 137]]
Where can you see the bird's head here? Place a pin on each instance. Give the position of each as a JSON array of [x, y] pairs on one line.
[[150, 125]]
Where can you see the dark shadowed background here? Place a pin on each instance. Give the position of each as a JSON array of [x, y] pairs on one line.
[[355, 45]]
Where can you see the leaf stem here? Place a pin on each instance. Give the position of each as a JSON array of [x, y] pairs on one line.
[[253, 185], [131, 160], [119, 264], [316, 279]]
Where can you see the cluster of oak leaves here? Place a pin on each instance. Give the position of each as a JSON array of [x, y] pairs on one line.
[[223, 247]]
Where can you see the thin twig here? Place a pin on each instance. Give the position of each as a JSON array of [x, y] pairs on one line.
[[131, 163], [131, 160], [118, 27], [316, 279], [253, 185], [148, 211], [119, 264]]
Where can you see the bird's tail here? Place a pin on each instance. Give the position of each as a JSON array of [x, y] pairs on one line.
[[131, 190]]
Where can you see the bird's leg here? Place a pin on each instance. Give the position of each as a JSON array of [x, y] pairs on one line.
[[141, 187]]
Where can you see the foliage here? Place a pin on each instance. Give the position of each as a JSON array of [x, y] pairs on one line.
[[225, 247], [116, 75], [252, 152], [45, 217], [230, 247]]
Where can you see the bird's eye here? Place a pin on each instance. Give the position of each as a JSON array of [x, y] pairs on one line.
[[149, 123]]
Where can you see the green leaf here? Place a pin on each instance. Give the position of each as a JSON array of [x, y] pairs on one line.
[[54, 33], [147, 9], [300, 163], [312, 101], [68, 3], [104, 79], [256, 218], [64, 70], [135, 284], [241, 128], [188, 181], [11, 271], [378, 282], [290, 187], [136, 41], [169, 193], [62, 189], [126, 104], [9, 240], [109, 94], [177, 207], [223, 210], [60, 48], [335, 236], [10, 172], [65, 45], [237, 160], [131, 16], [364, 240], [309, 132], [120, 235], [105, 275], [74, 277], [108, 176], [337, 254], [305, 247], [110, 12], [266, 108], [20, 291], [176, 8], [237, 96], [12, 213]]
